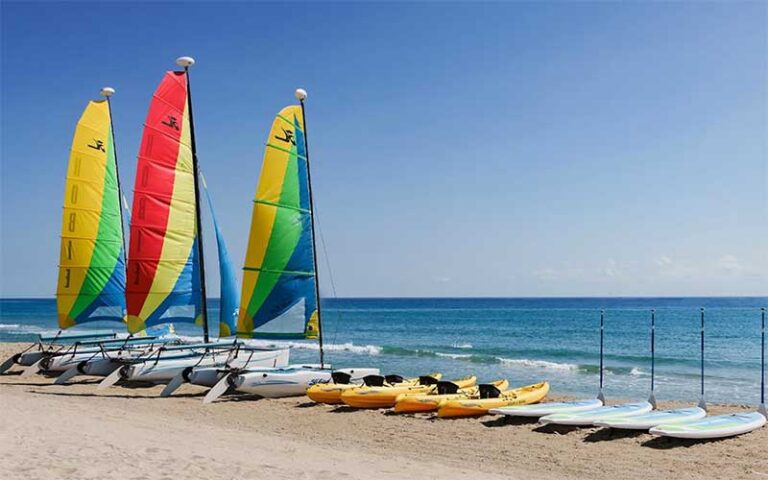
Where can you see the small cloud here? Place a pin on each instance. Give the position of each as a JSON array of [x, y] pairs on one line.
[[611, 269], [663, 261], [673, 268], [730, 264], [442, 279]]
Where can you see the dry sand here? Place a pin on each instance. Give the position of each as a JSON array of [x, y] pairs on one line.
[[73, 431]]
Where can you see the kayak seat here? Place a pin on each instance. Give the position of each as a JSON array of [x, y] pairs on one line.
[[427, 380], [373, 380], [488, 391], [447, 388], [341, 378], [393, 379]]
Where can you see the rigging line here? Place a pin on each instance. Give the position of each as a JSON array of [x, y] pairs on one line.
[[328, 266]]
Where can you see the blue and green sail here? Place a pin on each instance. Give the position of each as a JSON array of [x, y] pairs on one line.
[[278, 297]]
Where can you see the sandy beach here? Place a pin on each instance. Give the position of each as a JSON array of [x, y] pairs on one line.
[[74, 431]]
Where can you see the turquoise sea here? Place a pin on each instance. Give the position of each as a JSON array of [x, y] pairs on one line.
[[524, 340]]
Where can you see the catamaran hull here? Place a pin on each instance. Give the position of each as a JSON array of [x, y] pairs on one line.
[[290, 383], [90, 362], [29, 358], [162, 371], [60, 363], [99, 368], [209, 376]]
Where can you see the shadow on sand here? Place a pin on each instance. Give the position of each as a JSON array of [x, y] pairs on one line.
[[108, 395], [609, 434], [667, 443], [345, 409], [552, 428], [504, 421]]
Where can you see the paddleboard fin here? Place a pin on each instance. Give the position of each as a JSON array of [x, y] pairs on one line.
[[601, 396], [703, 404], [762, 410], [652, 400]]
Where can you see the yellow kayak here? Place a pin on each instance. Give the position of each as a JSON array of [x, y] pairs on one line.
[[476, 407], [385, 396], [330, 393], [411, 403]]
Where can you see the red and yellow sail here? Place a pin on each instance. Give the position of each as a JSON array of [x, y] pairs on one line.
[[163, 278]]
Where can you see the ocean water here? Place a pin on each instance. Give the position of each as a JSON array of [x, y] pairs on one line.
[[523, 340]]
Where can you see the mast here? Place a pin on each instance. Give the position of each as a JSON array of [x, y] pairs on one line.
[[600, 394], [107, 92], [761, 408], [301, 95], [702, 401], [186, 62], [652, 398]]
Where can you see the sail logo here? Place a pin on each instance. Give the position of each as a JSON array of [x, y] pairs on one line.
[[288, 138], [99, 145], [172, 122]]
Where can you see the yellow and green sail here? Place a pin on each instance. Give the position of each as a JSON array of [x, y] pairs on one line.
[[91, 282], [278, 295]]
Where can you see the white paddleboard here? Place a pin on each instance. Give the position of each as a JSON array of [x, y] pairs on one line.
[[719, 426], [652, 419], [587, 417], [543, 409]]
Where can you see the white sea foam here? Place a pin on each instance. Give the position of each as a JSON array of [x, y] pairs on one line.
[[462, 345], [543, 364], [455, 356], [329, 347], [636, 371], [22, 329]]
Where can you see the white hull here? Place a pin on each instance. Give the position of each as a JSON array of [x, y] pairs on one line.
[[99, 367], [164, 370], [210, 375], [59, 363], [280, 383], [29, 358]]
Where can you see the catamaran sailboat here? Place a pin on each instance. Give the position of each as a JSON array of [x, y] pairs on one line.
[[166, 269], [91, 282], [280, 289]]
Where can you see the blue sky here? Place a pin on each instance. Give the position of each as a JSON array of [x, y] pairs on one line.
[[483, 149]]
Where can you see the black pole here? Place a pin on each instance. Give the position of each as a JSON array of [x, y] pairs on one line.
[[196, 173], [653, 349], [702, 353], [117, 175], [762, 356], [314, 245], [702, 402], [602, 322]]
